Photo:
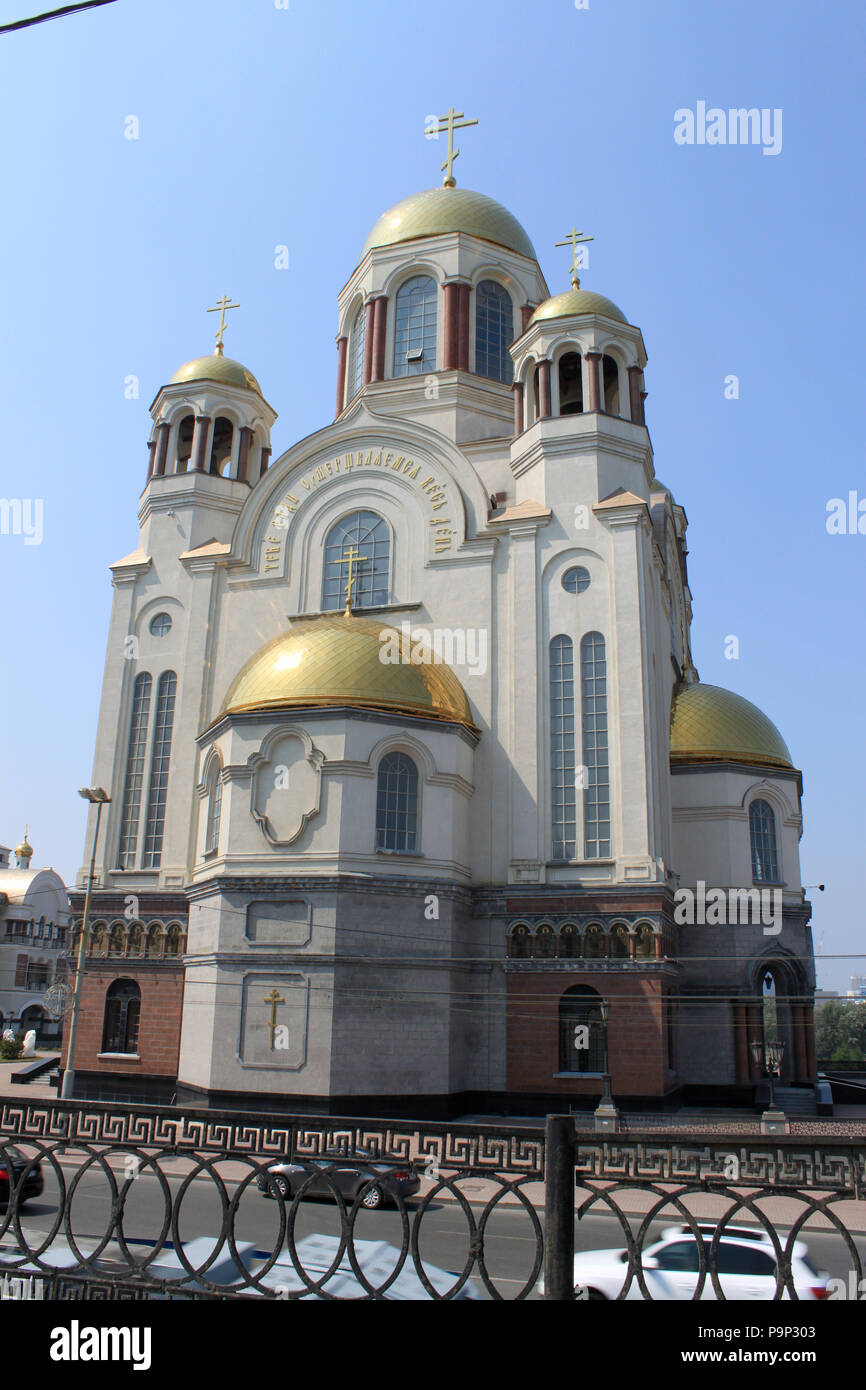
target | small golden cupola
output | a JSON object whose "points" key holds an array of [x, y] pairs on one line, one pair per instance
{"points": [[211, 419], [24, 851], [579, 355]]}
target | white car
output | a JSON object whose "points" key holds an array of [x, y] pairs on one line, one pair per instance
{"points": [[746, 1264]]}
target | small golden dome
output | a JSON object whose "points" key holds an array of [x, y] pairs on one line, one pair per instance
{"points": [[439, 210], [217, 368], [709, 724], [563, 306], [24, 850], [335, 660]]}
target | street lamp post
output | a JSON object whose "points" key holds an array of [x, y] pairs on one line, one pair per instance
{"points": [[768, 1057], [98, 797], [606, 1113]]}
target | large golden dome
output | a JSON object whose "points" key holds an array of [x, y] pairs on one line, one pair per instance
{"points": [[562, 306], [217, 368], [444, 209], [709, 724], [335, 660]]}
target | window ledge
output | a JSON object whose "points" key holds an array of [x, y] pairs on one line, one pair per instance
{"points": [[578, 1075], [400, 853], [118, 1057]]}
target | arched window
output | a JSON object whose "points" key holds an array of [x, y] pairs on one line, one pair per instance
{"points": [[159, 765], [116, 940], [645, 945], [593, 943], [536, 393], [619, 944], [122, 1014], [173, 940], [99, 940], [397, 804], [581, 1030], [610, 384], [415, 327], [519, 945], [562, 747], [568, 942], [494, 331], [134, 784], [596, 795], [367, 535], [355, 369], [135, 940], [214, 807], [221, 449], [570, 384], [545, 942], [155, 941], [762, 831], [185, 432]]}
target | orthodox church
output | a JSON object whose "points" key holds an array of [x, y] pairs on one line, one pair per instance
{"points": [[407, 756]]}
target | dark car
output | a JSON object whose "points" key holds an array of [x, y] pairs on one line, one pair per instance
{"points": [[377, 1180], [33, 1183]]}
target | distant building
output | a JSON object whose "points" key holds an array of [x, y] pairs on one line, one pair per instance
{"points": [[34, 918]]}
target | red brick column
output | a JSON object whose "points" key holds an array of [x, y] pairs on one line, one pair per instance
{"points": [[544, 388], [266, 458], [369, 310], [380, 307], [342, 346], [634, 395], [741, 1042], [246, 440], [517, 389], [526, 312], [200, 437], [151, 455], [754, 1033], [463, 327], [162, 433], [452, 313], [593, 360]]}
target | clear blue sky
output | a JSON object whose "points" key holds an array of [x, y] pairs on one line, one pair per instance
{"points": [[261, 126]]}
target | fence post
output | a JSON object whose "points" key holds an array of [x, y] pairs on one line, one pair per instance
{"points": [[559, 1208]]}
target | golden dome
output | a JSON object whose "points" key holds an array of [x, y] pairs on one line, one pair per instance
{"points": [[335, 660], [709, 724], [217, 368], [24, 850], [438, 210], [562, 306]]}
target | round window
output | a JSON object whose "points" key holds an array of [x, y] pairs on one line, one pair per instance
{"points": [[576, 580], [160, 624]]}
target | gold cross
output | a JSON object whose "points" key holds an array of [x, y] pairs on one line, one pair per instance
{"points": [[274, 998], [575, 239], [451, 122], [220, 308], [350, 557]]}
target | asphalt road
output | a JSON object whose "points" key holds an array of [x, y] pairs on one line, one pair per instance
{"points": [[509, 1242]]}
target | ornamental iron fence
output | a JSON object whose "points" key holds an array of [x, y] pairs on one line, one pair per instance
{"points": [[139, 1202]]}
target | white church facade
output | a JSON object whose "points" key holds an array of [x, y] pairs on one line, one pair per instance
{"points": [[407, 753]]}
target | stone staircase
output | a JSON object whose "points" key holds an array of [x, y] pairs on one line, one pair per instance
{"points": [[796, 1100]]}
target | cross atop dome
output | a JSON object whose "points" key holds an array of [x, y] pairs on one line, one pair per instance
{"points": [[220, 308], [575, 239], [451, 121]]}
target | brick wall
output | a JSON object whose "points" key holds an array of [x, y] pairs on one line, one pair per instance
{"points": [[636, 1035], [161, 986]]}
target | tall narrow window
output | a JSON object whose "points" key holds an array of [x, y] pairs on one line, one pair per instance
{"points": [[415, 327], [221, 449], [214, 808], [596, 795], [185, 431], [159, 765], [494, 331], [610, 385], [581, 1030], [562, 748], [367, 535], [355, 373], [570, 384], [121, 1018], [762, 830], [133, 785], [397, 804]]}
